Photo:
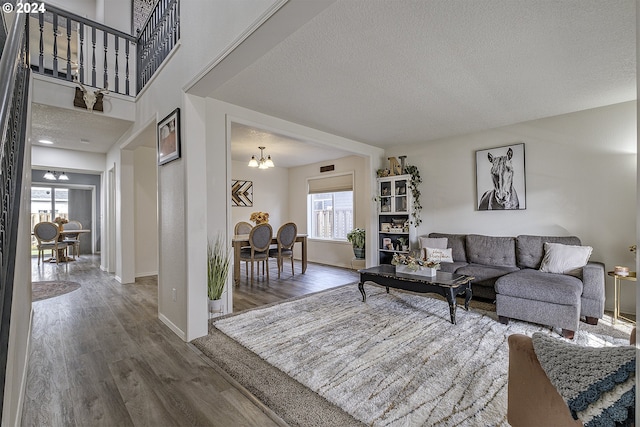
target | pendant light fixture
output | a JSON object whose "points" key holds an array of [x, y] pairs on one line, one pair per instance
{"points": [[262, 163], [53, 176]]}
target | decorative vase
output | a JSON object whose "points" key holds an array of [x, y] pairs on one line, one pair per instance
{"points": [[358, 252], [216, 305]]}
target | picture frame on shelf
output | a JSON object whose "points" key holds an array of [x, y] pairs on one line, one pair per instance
{"points": [[169, 138], [387, 244]]}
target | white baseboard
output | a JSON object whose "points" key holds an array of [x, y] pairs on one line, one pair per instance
{"points": [[151, 273], [176, 330], [23, 381]]}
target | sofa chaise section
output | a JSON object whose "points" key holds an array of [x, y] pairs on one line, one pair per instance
{"points": [[507, 270]]}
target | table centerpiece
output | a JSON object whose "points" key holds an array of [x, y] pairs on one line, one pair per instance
{"points": [[414, 265]]}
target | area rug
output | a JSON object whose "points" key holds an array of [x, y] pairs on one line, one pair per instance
{"points": [[395, 360], [53, 288]]}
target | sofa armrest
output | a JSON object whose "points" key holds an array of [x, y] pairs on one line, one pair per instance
{"points": [[532, 399], [593, 281]]}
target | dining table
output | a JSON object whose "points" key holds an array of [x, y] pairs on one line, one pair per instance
{"points": [[61, 252], [242, 240]]}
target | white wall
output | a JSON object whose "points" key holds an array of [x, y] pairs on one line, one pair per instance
{"points": [[580, 180], [270, 193], [212, 28], [146, 211], [58, 159], [330, 252], [60, 93], [116, 14], [84, 8]]}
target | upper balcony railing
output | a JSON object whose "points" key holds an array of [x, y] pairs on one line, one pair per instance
{"points": [[69, 47], [159, 35]]}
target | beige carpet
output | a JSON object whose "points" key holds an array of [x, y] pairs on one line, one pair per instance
{"points": [[394, 360]]}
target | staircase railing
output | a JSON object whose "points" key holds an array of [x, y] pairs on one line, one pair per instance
{"points": [[159, 35], [14, 94], [65, 46], [68, 46]]}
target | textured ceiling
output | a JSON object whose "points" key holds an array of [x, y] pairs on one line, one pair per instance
{"points": [[389, 72], [75, 129], [402, 72], [286, 152]]}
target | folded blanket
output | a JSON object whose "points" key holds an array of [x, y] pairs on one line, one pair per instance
{"points": [[597, 383]]}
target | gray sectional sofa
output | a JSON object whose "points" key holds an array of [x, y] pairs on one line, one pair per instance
{"points": [[506, 269]]}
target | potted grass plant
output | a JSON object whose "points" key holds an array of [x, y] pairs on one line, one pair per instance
{"points": [[218, 261]]}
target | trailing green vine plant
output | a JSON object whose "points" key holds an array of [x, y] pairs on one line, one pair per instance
{"points": [[414, 184]]}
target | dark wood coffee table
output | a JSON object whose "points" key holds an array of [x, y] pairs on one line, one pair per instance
{"points": [[449, 285]]}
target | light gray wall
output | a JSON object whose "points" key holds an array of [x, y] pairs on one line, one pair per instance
{"points": [[580, 180]]}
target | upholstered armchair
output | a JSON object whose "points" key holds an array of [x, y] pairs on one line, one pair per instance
{"points": [[532, 399]]}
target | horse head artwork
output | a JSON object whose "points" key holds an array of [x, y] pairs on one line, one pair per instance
{"points": [[503, 195]]}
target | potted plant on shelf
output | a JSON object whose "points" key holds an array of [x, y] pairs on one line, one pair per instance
{"points": [[218, 261], [357, 238], [404, 243]]}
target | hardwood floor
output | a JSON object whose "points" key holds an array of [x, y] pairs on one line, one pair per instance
{"points": [[318, 277], [100, 356]]}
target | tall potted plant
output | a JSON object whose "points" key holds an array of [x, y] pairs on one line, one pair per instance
{"points": [[218, 261], [357, 238]]}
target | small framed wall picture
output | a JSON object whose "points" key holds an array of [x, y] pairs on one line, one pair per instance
{"points": [[169, 138]]}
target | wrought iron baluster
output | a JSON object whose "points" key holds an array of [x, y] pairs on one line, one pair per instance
{"points": [[93, 56], [55, 45], [68, 49], [106, 43], [117, 48], [41, 56], [126, 72], [81, 55]]}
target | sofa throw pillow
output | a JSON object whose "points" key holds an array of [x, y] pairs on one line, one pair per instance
{"points": [[434, 242], [564, 259], [437, 254]]}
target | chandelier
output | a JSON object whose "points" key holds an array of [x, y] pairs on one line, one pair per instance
{"points": [[262, 163], [53, 176]]}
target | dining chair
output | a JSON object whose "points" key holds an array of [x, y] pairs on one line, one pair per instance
{"points": [[73, 240], [259, 242], [285, 238], [242, 227], [47, 234]]}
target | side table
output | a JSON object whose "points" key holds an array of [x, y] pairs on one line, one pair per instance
{"points": [[616, 293]]}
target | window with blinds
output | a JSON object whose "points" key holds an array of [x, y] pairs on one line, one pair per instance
{"points": [[330, 201]]}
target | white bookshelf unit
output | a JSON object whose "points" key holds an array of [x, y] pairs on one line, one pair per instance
{"points": [[394, 214]]}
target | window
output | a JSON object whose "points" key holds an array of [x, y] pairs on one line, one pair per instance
{"points": [[330, 202]]}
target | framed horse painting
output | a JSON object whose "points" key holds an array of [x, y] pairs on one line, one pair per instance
{"points": [[500, 178]]}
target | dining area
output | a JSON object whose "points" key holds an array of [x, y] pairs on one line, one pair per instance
{"points": [[255, 245], [60, 236]]}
